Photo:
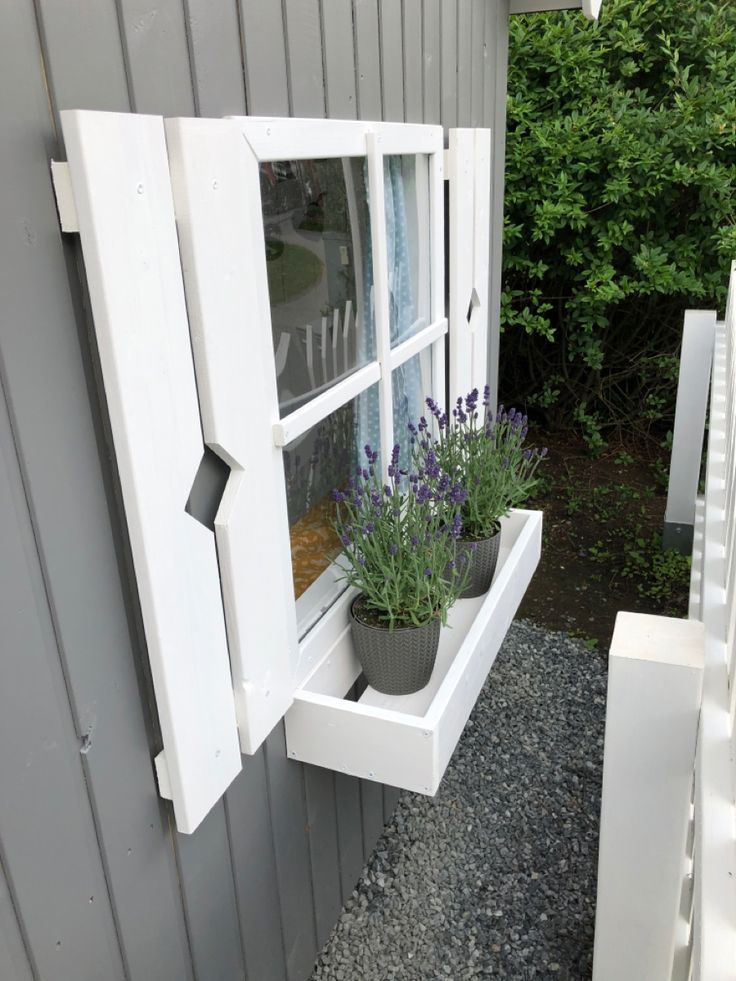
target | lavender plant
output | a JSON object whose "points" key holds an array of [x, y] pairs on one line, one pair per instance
{"points": [[399, 540], [485, 452]]}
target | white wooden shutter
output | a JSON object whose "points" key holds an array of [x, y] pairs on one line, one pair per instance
{"points": [[122, 192]]}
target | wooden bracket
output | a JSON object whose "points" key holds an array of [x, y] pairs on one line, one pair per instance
{"points": [[61, 180]]}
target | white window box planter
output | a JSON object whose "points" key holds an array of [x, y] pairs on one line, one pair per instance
{"points": [[407, 740]]}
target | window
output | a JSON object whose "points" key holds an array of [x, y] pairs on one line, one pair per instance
{"points": [[314, 271], [296, 268]]}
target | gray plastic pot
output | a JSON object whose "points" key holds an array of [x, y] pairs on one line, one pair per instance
{"points": [[482, 559], [398, 661]]}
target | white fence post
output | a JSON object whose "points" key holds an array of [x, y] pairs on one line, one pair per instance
{"points": [[654, 691], [687, 440]]}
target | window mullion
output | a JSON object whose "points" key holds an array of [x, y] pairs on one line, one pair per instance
{"points": [[317, 409], [418, 342], [380, 292]]}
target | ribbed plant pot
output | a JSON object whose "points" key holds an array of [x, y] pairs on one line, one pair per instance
{"points": [[398, 661], [482, 559]]}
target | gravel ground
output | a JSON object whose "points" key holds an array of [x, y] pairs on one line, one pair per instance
{"points": [[495, 876]]}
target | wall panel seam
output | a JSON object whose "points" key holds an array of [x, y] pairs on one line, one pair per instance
{"points": [[228, 831], [266, 768], [183, 897], [356, 61], [287, 58], [241, 43], [321, 7], [5, 872], [186, 13], [126, 55], [303, 782]]}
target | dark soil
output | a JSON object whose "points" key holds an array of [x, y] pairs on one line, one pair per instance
{"points": [[597, 512]]}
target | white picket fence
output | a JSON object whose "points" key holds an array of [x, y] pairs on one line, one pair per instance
{"points": [[666, 904]]}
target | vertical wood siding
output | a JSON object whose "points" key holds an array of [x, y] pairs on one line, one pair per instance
{"points": [[94, 881]]}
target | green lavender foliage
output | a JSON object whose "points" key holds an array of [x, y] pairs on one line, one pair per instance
{"points": [[620, 205], [399, 540], [485, 452]]}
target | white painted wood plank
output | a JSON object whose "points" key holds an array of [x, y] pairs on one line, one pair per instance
{"points": [[696, 359], [715, 845], [120, 180], [470, 202], [217, 193], [655, 672], [480, 321], [461, 154]]}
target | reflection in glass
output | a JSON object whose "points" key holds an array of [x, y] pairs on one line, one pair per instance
{"points": [[314, 464], [410, 384], [317, 234], [406, 182]]}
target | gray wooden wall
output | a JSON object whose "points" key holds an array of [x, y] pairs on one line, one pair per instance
{"points": [[94, 882]]}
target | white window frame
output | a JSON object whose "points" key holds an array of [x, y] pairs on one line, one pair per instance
{"points": [[215, 170]]}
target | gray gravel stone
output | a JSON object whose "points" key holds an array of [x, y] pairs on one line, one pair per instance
{"points": [[495, 876]]}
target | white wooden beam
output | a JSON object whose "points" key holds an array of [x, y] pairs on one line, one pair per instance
{"points": [[655, 672], [64, 196], [696, 359], [470, 200]]}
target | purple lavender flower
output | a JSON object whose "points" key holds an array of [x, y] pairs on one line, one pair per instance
{"points": [[428, 572], [393, 548], [414, 541], [423, 494], [345, 539]]}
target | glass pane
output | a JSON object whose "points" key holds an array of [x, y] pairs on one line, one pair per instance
{"points": [[410, 385], [320, 460], [318, 259], [406, 180]]}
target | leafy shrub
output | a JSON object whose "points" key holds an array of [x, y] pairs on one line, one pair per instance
{"points": [[620, 204]]}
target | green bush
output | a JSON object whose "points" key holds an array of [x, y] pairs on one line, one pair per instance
{"points": [[620, 205]]}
